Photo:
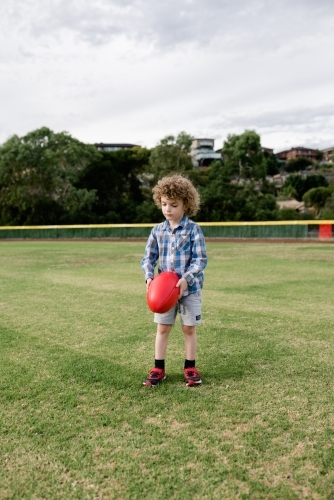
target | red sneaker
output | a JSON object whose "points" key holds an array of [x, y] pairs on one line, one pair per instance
{"points": [[155, 376], [192, 377]]}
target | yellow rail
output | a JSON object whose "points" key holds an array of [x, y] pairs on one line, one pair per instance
{"points": [[253, 223]]}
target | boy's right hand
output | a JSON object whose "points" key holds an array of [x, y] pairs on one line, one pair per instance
{"points": [[148, 282]]}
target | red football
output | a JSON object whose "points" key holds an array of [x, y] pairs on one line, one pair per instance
{"points": [[162, 293]]}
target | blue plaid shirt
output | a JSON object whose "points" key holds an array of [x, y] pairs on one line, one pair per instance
{"points": [[181, 250]]}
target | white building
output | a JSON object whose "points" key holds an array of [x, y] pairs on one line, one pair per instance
{"points": [[328, 154], [202, 152]]}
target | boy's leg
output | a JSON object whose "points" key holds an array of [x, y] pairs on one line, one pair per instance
{"points": [[164, 322], [157, 374], [190, 311], [190, 341], [161, 340], [191, 375]]}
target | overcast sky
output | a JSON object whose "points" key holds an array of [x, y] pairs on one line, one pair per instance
{"points": [[137, 70]]}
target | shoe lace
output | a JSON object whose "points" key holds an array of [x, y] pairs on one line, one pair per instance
{"points": [[155, 373], [191, 372]]}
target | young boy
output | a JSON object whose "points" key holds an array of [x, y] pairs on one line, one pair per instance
{"points": [[178, 243]]}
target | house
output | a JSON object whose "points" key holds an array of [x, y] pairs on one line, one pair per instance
{"points": [[202, 152], [114, 146], [298, 152], [278, 181], [328, 154]]}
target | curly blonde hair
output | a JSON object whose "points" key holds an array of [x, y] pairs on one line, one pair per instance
{"points": [[178, 187]]}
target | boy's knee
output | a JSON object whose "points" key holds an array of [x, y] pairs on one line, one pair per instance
{"points": [[164, 329], [188, 330]]}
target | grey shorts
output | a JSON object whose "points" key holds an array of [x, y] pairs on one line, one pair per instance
{"points": [[189, 309]]}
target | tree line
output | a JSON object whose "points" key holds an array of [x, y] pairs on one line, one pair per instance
{"points": [[52, 178]]}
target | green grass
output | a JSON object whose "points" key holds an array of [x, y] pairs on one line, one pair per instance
{"points": [[77, 340]]}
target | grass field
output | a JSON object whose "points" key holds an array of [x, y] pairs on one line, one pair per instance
{"points": [[77, 340]]}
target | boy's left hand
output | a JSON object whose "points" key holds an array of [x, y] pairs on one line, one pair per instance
{"points": [[183, 285], [148, 282]]}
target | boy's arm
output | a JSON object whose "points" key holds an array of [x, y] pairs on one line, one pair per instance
{"points": [[151, 256], [199, 258]]}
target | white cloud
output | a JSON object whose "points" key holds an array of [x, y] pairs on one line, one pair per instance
{"points": [[136, 71]]}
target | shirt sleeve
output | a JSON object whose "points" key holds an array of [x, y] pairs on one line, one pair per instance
{"points": [[151, 256], [199, 258]]}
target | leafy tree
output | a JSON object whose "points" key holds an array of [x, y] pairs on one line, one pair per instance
{"points": [[272, 163], [171, 155], [226, 201], [148, 211], [289, 214], [267, 187], [301, 185], [297, 164], [320, 155], [288, 192], [215, 195], [37, 177], [316, 180], [243, 156], [317, 198], [328, 212], [116, 178]]}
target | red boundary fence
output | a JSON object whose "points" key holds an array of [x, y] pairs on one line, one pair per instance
{"points": [[325, 231]]}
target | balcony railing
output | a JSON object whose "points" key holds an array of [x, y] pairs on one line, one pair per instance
{"points": [[208, 154]]}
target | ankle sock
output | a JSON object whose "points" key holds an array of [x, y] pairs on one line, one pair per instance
{"points": [[159, 363], [189, 363]]}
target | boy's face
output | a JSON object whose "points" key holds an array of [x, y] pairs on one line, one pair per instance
{"points": [[173, 210]]}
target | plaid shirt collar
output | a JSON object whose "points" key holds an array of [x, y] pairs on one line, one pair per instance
{"points": [[183, 223]]}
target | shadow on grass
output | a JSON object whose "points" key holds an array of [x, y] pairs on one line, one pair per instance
{"points": [[27, 372], [233, 368], [219, 367], [43, 366], [92, 370]]}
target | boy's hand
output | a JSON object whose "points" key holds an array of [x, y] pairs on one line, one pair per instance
{"points": [[148, 282], [183, 285]]}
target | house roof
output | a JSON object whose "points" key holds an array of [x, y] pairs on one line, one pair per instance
{"points": [[294, 204], [296, 148]]}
